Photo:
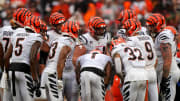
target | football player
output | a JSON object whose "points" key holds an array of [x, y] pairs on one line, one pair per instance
{"points": [[145, 42], [22, 69], [61, 48], [93, 70], [97, 38], [165, 45], [130, 66], [6, 32], [56, 21]]}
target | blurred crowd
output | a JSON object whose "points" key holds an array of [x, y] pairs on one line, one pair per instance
{"points": [[83, 10]]}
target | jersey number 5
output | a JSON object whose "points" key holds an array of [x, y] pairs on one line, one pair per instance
{"points": [[19, 45]]}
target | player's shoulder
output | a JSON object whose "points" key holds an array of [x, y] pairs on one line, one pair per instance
{"points": [[165, 35], [34, 37], [105, 56], [19, 30], [84, 56], [6, 29], [52, 33], [65, 39], [118, 48], [144, 37], [84, 38]]}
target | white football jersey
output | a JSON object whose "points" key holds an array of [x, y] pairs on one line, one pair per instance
{"points": [[22, 42], [98, 61], [56, 47], [90, 43], [52, 35], [166, 36], [132, 60], [5, 35], [146, 43]]}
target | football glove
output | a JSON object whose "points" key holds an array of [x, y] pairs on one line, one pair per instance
{"points": [[60, 84]]}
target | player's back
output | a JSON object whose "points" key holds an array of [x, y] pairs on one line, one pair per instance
{"points": [[52, 35], [146, 43], [132, 60], [5, 35], [94, 60], [22, 42], [55, 50]]}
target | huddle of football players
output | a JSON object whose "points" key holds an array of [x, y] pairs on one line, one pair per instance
{"points": [[63, 63]]}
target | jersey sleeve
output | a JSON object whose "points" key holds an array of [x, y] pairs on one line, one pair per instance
{"points": [[50, 39], [114, 51], [83, 39], [108, 36], [37, 37], [69, 42], [165, 38], [121, 32]]}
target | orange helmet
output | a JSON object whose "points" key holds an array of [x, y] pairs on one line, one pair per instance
{"points": [[19, 16], [172, 29], [56, 18], [33, 23], [125, 15], [72, 28], [117, 41], [131, 26], [96, 23], [157, 21]]}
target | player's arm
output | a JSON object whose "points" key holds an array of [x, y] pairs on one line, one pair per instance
{"points": [[62, 59], [44, 51], [118, 65], [7, 56], [77, 70], [108, 74], [1, 56], [78, 51], [33, 59], [165, 49]]}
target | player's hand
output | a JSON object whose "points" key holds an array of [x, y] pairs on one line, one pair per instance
{"points": [[164, 86], [38, 92], [60, 84], [36, 88]]}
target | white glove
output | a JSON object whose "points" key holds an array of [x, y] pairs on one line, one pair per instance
{"points": [[60, 84], [4, 80]]}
